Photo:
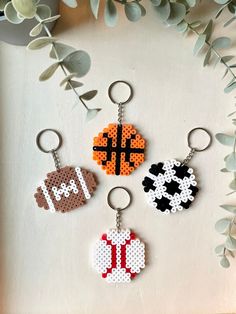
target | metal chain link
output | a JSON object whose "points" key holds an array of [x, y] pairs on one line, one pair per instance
{"points": [[56, 159], [189, 156], [120, 113], [118, 219]]}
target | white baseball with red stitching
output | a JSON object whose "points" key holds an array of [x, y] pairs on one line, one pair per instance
{"points": [[119, 256]]}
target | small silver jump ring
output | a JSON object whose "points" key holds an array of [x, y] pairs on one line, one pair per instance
{"points": [[189, 139], [118, 208], [38, 143], [119, 102]]}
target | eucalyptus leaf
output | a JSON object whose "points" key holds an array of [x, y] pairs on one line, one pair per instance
{"points": [[51, 19], [207, 57], [164, 9], [70, 3], [230, 162], [89, 95], [191, 3], [27, 8], [232, 66], [224, 170], [224, 262], [219, 250], [68, 78], [110, 14], [218, 13], [11, 14], [230, 21], [91, 113], [41, 42], [225, 139], [221, 42], [43, 11], [143, 10], [230, 243], [222, 225], [2, 4], [36, 30], [229, 208], [226, 59], [156, 2], [49, 72], [221, 1], [74, 84], [61, 51], [182, 27], [195, 24], [94, 4], [232, 185], [177, 13], [208, 30], [199, 43], [230, 87], [133, 11], [77, 62]]}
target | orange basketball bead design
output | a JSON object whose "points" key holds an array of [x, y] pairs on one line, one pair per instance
{"points": [[119, 149]]}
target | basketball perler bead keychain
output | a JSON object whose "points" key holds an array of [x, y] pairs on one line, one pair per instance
{"points": [[170, 185], [119, 148], [119, 255], [66, 188]]}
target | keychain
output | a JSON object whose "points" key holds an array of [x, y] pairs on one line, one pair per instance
{"points": [[119, 255], [119, 148], [170, 185], [66, 188]]}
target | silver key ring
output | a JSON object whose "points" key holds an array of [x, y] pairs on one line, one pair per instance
{"points": [[190, 133], [119, 102], [38, 142], [109, 196]]}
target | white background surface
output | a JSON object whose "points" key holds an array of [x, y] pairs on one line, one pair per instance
{"points": [[45, 264]]}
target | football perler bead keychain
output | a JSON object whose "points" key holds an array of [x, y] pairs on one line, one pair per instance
{"points": [[171, 185], [119, 148], [66, 188], [119, 255]]}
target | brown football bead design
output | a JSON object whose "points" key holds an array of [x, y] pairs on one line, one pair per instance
{"points": [[119, 149], [65, 189]]}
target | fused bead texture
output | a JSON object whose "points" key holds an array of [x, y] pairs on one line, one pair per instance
{"points": [[119, 256], [170, 186], [119, 149], [65, 189]]}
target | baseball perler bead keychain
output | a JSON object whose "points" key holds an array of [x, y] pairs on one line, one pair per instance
{"points": [[171, 185], [119, 148], [119, 255], [66, 188]]}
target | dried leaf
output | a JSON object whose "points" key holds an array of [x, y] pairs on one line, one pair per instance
{"points": [[49, 72], [41, 42]]}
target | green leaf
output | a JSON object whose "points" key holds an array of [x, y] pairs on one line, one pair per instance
{"points": [[143, 10], [51, 19], [89, 95], [222, 225], [156, 2], [49, 72], [230, 162], [230, 243], [208, 30], [224, 170], [62, 51], [68, 78], [196, 24], [207, 57], [226, 59], [199, 43], [94, 4], [74, 84], [221, 1], [43, 11], [232, 185], [224, 262], [219, 250], [182, 27], [11, 14], [226, 72], [177, 13], [110, 14], [41, 42], [78, 62], [133, 11], [221, 43], [229, 208], [164, 9], [70, 3], [230, 87], [225, 139], [26, 8], [91, 113], [2, 4], [232, 66], [36, 30], [221, 9], [191, 3], [230, 21]]}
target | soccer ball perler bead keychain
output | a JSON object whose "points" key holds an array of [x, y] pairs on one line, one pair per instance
{"points": [[119, 255], [119, 148], [66, 188], [170, 185]]}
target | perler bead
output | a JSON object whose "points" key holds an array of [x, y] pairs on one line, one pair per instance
{"points": [[65, 189], [119, 256], [170, 186], [119, 149]]}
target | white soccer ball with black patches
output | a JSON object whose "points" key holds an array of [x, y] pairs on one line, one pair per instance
{"points": [[170, 186]]}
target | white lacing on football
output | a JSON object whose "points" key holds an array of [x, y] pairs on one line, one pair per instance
{"points": [[47, 197], [82, 183], [65, 190]]}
